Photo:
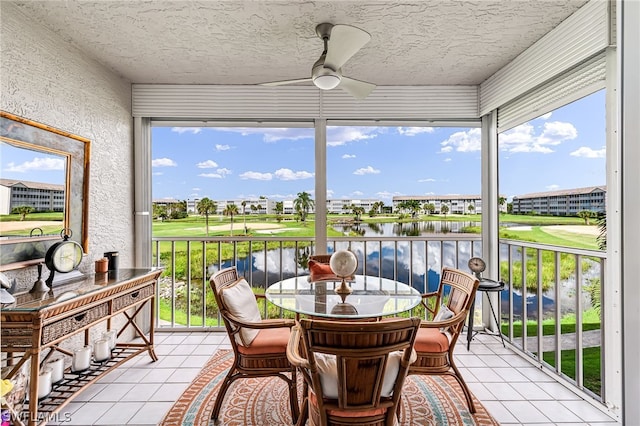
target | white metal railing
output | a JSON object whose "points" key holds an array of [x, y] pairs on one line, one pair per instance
{"points": [[562, 287]]}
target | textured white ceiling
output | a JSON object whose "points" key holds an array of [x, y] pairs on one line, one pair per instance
{"points": [[441, 42]]}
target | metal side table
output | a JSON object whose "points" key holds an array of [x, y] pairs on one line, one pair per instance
{"points": [[486, 285]]}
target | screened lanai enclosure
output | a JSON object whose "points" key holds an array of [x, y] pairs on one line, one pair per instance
{"points": [[492, 72]]}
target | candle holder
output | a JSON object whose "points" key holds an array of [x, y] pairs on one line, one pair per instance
{"points": [[57, 369], [44, 383], [101, 351], [81, 359], [112, 337]]}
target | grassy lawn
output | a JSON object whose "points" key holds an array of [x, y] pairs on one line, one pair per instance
{"points": [[590, 366]]}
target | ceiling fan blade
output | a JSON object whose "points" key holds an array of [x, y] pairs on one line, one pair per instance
{"points": [[356, 88], [285, 82], [344, 42]]}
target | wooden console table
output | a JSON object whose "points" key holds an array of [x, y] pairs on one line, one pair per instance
{"points": [[37, 323]]}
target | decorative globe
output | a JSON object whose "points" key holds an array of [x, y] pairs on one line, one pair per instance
{"points": [[343, 263]]}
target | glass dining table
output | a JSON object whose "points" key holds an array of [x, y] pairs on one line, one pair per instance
{"points": [[369, 297]]}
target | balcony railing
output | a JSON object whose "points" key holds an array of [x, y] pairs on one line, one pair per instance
{"points": [[551, 311]]}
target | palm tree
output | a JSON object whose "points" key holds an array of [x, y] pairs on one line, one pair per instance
{"points": [[23, 211], [205, 207], [471, 208], [244, 215], [444, 209], [279, 209], [429, 208], [413, 206], [303, 204], [501, 201], [230, 211], [586, 215]]}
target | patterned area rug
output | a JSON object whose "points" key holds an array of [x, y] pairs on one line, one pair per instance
{"points": [[264, 401]]}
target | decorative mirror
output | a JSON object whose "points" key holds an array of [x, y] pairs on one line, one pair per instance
{"points": [[27, 149]]}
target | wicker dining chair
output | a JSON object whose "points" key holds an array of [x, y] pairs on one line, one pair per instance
{"points": [[353, 372], [436, 340], [259, 345]]}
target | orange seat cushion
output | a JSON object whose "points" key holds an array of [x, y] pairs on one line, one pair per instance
{"points": [[431, 340], [268, 341], [313, 399]]}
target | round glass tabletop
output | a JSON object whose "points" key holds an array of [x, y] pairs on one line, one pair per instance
{"points": [[370, 297]]}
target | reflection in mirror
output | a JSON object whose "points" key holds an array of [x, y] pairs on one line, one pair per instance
{"points": [[43, 189], [32, 192]]}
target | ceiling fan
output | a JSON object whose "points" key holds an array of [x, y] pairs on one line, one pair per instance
{"points": [[341, 42]]}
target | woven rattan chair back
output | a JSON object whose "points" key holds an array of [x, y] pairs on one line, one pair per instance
{"points": [[436, 340], [252, 362], [360, 351]]}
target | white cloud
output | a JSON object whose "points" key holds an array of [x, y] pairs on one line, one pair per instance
{"points": [[196, 189], [256, 176], [346, 156], [523, 138], [586, 152], [219, 174], [545, 116], [337, 136], [555, 132], [447, 160], [38, 163], [357, 193], [180, 130], [412, 131], [465, 141], [272, 134], [427, 180], [222, 147], [288, 174], [157, 173], [209, 164], [552, 187], [366, 171], [163, 162]]}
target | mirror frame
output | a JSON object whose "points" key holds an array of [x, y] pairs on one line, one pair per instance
{"points": [[24, 133]]}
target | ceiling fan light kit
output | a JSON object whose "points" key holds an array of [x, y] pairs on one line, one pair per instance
{"points": [[326, 81], [341, 42]]}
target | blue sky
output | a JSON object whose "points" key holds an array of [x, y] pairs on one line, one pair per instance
{"points": [[561, 150], [564, 149]]}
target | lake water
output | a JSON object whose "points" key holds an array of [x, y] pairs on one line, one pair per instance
{"points": [[409, 229]]}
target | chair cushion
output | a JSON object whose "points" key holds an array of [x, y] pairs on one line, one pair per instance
{"points": [[313, 400], [268, 341], [241, 302], [431, 340], [444, 313], [329, 374]]}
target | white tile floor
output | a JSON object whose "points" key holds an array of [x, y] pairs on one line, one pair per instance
{"points": [[140, 391]]}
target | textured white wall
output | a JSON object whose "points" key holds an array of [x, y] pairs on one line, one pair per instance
{"points": [[44, 79]]}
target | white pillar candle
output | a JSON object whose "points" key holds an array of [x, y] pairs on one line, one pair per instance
{"points": [[101, 350], [44, 383], [81, 359], [111, 337], [57, 369]]}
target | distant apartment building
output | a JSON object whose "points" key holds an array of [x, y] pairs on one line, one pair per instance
{"points": [[343, 205], [562, 203], [43, 197], [457, 204]]}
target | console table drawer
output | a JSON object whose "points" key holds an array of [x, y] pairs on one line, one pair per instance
{"points": [[134, 297], [68, 325]]}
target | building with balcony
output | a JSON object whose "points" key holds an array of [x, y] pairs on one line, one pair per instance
{"points": [[111, 73], [42, 197], [562, 203]]}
